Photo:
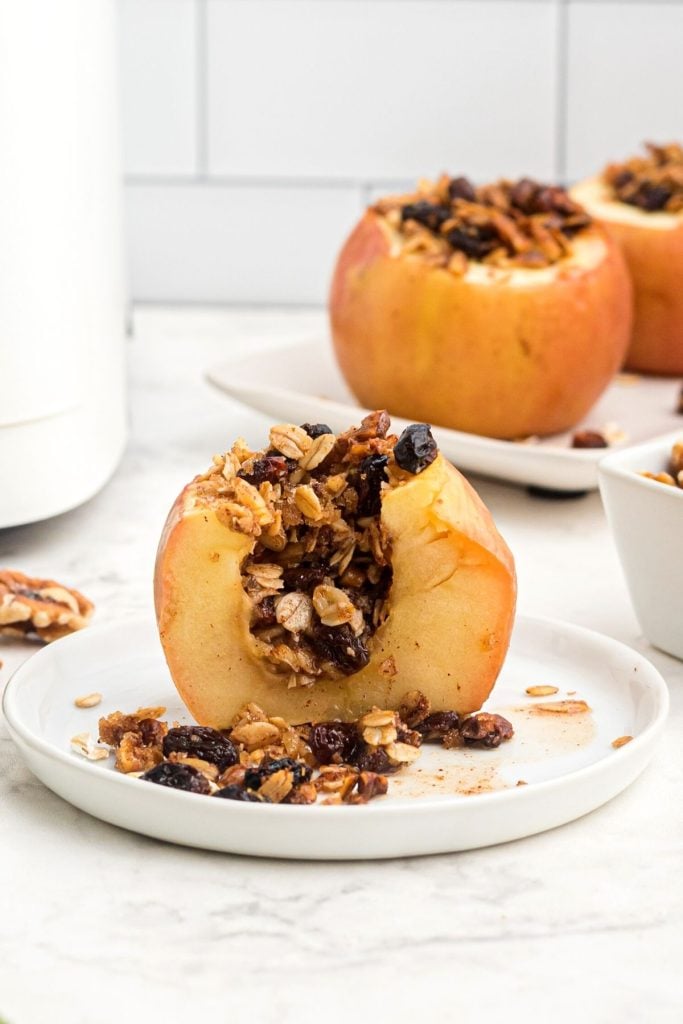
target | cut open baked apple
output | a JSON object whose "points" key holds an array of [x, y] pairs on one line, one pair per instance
{"points": [[640, 202], [329, 574], [500, 310]]}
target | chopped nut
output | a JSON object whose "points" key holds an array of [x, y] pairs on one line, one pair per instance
{"points": [[370, 785], [414, 708], [541, 691], [277, 786], [621, 741], [40, 608], [90, 700]]}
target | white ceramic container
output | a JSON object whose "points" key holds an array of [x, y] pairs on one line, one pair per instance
{"points": [[646, 518], [62, 298]]}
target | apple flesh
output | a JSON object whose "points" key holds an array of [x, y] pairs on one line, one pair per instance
{"points": [[451, 609], [500, 352], [652, 244]]}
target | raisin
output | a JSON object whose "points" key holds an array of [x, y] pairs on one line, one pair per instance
{"points": [[316, 429], [178, 776], [522, 194], [202, 742], [431, 215], [435, 726], [653, 197], [415, 448], [263, 613], [622, 178], [485, 730], [237, 793], [368, 481], [304, 577], [338, 644], [255, 776], [461, 188], [271, 468], [375, 759], [332, 742], [476, 242], [588, 439]]}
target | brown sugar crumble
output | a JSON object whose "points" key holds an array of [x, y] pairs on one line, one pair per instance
{"points": [[504, 224], [319, 574], [653, 182], [40, 609], [262, 759]]}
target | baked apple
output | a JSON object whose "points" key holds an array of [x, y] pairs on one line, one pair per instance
{"points": [[500, 310], [640, 202], [329, 574]]}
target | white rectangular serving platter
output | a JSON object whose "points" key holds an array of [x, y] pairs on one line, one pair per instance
{"points": [[302, 382]]}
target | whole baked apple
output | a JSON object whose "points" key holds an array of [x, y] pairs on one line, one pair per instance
{"points": [[500, 310], [640, 202], [329, 574]]}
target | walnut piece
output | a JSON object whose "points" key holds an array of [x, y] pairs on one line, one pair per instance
{"points": [[41, 609]]}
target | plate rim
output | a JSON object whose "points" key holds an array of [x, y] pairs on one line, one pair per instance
{"points": [[420, 805]]}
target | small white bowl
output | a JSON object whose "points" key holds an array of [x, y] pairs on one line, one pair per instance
{"points": [[646, 518]]}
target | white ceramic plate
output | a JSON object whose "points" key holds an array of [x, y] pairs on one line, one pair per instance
{"points": [[446, 801], [301, 382]]}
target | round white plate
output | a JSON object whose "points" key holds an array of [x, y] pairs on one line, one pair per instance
{"points": [[446, 801]]}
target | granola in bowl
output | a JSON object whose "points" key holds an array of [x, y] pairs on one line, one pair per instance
{"points": [[673, 475]]}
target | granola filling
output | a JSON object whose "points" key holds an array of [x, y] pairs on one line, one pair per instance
{"points": [[319, 572], [653, 182], [505, 224]]}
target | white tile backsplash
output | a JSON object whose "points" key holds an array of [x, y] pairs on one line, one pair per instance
{"points": [[215, 243], [253, 128], [625, 80], [341, 89], [158, 49]]}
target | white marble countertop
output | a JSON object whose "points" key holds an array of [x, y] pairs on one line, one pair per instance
{"points": [[581, 922]]}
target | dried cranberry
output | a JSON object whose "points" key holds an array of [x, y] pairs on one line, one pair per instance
{"points": [[651, 197], [485, 730], [338, 644], [237, 793], [461, 188], [622, 178], [431, 215], [435, 726], [256, 775], [271, 468], [316, 429], [522, 194], [332, 742], [415, 448], [178, 776], [368, 481], [201, 742], [304, 577], [589, 439]]}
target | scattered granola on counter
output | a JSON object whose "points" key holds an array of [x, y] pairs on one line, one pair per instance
{"points": [[674, 476], [266, 760], [541, 691], [504, 224], [653, 182], [88, 700], [40, 609]]}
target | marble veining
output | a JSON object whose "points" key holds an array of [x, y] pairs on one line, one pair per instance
{"points": [[97, 923]]}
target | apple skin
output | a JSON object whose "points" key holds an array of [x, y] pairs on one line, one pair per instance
{"points": [[652, 244], [503, 353], [452, 607]]}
